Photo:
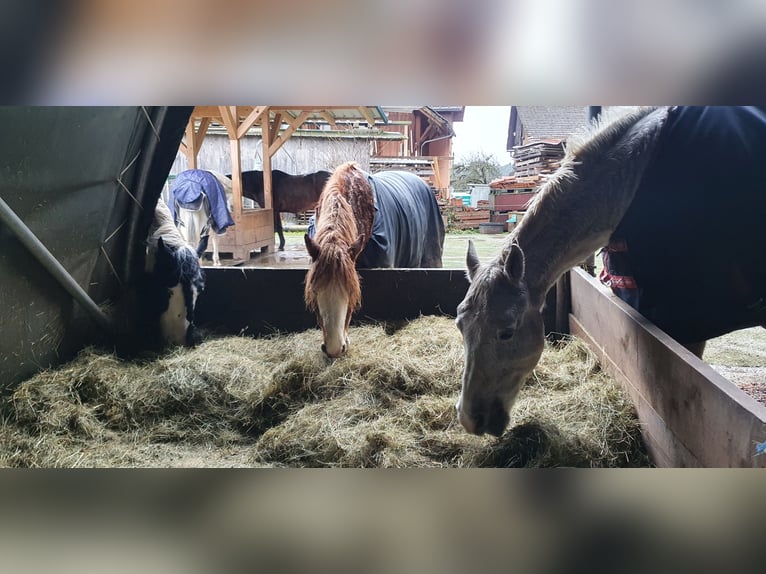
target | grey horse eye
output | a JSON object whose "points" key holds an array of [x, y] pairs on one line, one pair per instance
{"points": [[505, 334]]}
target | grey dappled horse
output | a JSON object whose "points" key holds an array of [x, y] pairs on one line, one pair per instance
{"points": [[682, 187]]}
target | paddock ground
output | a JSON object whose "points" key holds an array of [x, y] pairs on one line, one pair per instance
{"points": [[455, 247]]}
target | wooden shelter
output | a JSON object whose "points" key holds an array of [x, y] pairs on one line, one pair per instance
{"points": [[254, 228]]}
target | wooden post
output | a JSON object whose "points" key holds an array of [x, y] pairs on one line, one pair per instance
{"points": [[563, 304], [266, 141], [236, 181], [190, 150]]}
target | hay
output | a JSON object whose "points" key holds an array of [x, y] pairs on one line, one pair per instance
{"points": [[276, 401]]}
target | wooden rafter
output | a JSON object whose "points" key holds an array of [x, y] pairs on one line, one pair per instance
{"points": [[199, 136], [252, 118], [275, 125], [367, 115], [329, 118], [285, 135], [229, 118]]}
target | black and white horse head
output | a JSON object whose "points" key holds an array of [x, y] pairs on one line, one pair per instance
{"points": [[172, 283]]}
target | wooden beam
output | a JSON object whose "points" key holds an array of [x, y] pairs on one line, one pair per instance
{"points": [[330, 118], [252, 118], [424, 136], [367, 115], [690, 414], [199, 137], [190, 151], [206, 112], [229, 118], [285, 135], [437, 174], [266, 142], [236, 180], [275, 125]]}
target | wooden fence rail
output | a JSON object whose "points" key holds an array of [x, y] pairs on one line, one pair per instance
{"points": [[691, 415]]}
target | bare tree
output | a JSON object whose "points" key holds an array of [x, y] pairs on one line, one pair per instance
{"points": [[476, 168]]}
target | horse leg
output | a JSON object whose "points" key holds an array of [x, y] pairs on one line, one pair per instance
{"points": [[696, 348], [214, 237], [278, 229]]}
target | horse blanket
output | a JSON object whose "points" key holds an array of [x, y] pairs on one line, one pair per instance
{"points": [[408, 230], [690, 253], [187, 191]]}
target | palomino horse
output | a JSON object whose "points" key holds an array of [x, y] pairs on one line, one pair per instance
{"points": [[290, 193], [171, 284], [200, 203], [681, 189], [390, 219]]}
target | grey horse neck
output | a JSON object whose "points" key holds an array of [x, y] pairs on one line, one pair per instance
{"points": [[577, 210]]}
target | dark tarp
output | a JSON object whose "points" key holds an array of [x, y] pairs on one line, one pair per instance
{"points": [[695, 233], [85, 181], [408, 230]]}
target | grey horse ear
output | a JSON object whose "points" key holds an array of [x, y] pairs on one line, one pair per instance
{"points": [[472, 260], [311, 247], [514, 263]]}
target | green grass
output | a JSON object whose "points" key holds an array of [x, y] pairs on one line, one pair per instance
{"points": [[745, 348]]}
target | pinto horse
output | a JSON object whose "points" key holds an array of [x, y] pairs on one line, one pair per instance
{"points": [[681, 190], [172, 281], [390, 219], [290, 193], [200, 204]]}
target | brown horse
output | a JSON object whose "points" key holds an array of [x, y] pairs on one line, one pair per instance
{"points": [[389, 219], [343, 224], [289, 193]]}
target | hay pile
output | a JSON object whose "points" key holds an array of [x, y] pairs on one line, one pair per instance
{"points": [[277, 401]]}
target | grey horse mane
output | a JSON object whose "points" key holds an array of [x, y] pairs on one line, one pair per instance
{"points": [[595, 140]]}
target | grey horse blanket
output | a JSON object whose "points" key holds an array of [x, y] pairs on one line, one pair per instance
{"points": [[408, 230]]}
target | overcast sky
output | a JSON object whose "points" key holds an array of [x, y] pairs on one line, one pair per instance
{"points": [[483, 129]]}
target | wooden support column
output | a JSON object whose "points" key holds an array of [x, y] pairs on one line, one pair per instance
{"points": [[230, 119], [266, 141], [189, 149], [236, 181]]}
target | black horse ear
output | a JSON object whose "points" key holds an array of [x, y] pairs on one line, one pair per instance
{"points": [[202, 247], [162, 248], [311, 247], [472, 260], [514, 263]]}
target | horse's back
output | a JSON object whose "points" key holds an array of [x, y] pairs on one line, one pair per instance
{"points": [[694, 231], [408, 230], [189, 187]]}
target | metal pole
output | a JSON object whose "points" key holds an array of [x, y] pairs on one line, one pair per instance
{"points": [[51, 264]]}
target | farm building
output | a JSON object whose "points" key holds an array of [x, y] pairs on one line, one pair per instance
{"points": [[74, 227], [413, 139], [378, 138]]}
